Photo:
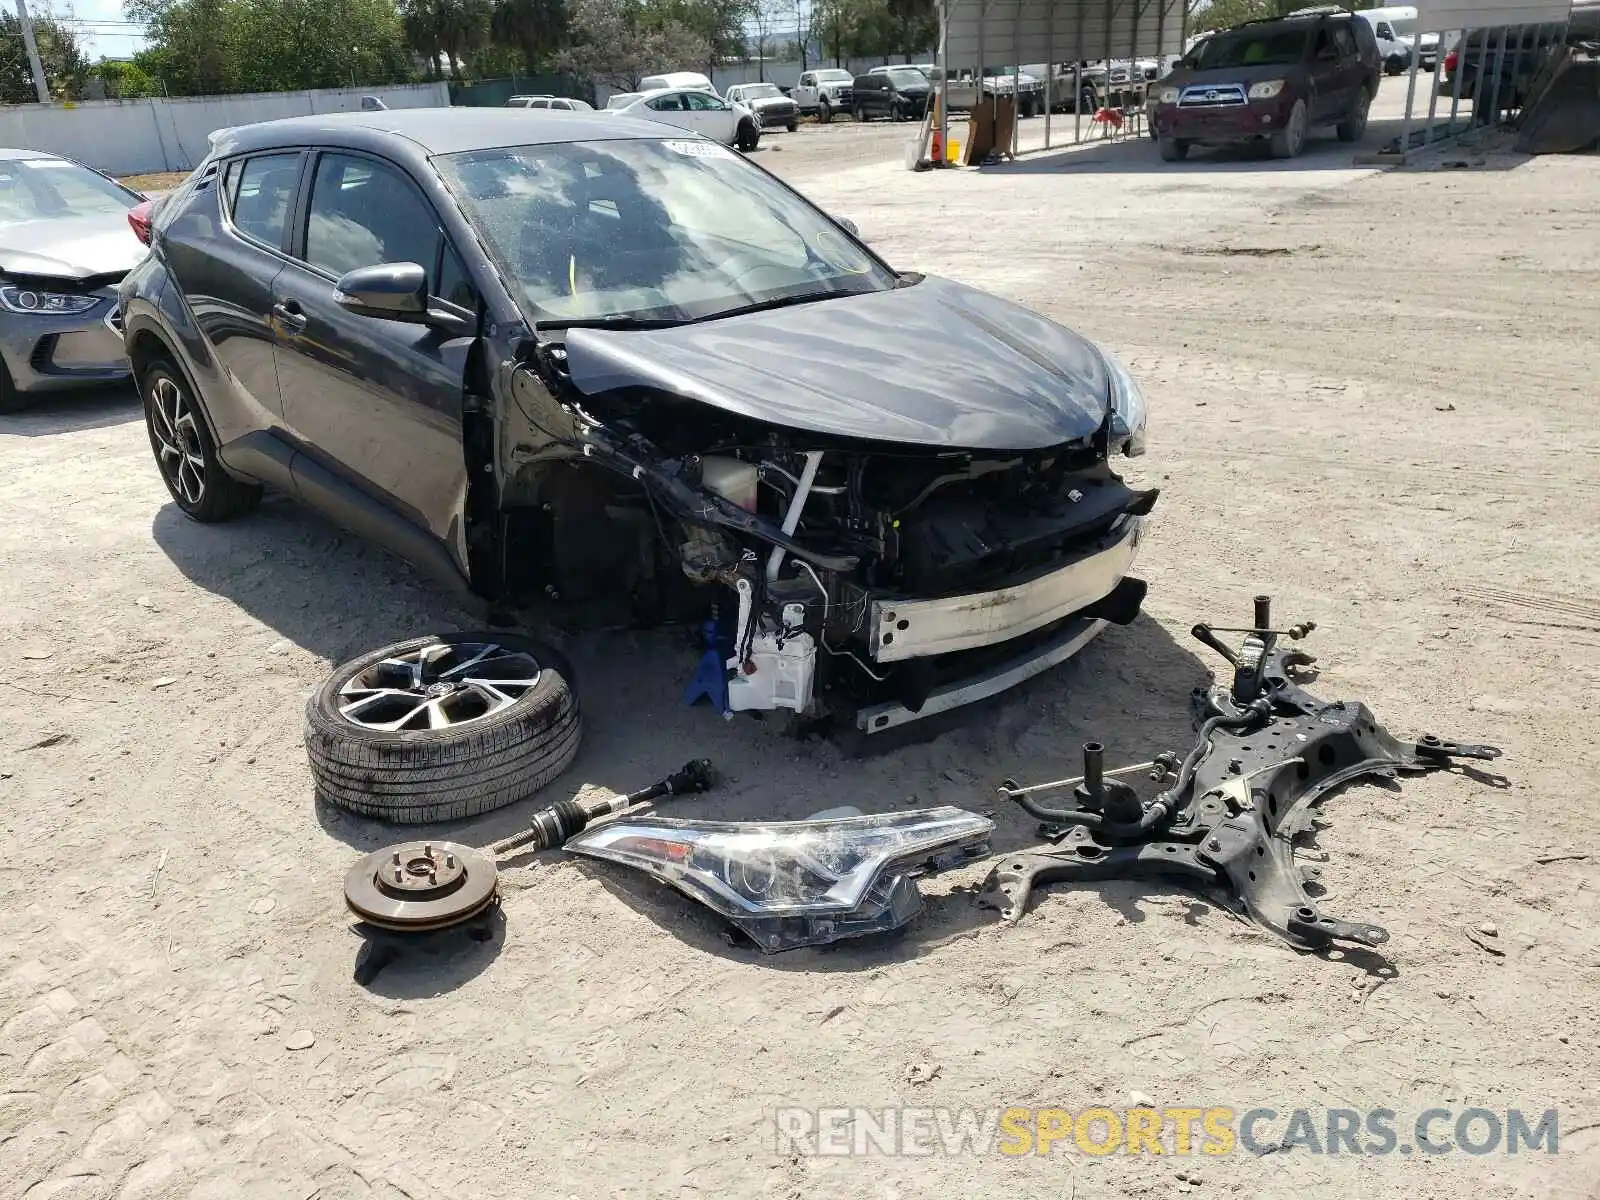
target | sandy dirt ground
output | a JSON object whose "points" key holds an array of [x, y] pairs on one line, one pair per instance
{"points": [[1373, 395]]}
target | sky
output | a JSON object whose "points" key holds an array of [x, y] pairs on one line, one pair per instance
{"points": [[101, 26]]}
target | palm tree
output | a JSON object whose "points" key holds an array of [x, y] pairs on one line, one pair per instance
{"points": [[450, 29], [536, 28]]}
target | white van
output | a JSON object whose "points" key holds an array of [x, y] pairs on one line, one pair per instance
{"points": [[1395, 28], [678, 81]]}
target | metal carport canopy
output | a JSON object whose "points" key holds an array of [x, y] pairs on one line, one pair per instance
{"points": [[1440, 16], [982, 33]]}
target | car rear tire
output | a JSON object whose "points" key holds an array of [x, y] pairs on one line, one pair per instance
{"points": [[748, 137], [793, 126], [1354, 127], [860, 114], [825, 113], [1172, 149], [444, 748], [185, 453], [1289, 141]]}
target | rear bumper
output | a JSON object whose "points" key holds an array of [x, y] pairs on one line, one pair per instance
{"points": [[48, 353]]}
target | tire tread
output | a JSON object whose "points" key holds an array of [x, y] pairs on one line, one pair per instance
{"points": [[425, 776]]}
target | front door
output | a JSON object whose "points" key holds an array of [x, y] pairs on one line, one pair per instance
{"points": [[377, 401], [712, 116], [1326, 71], [671, 109]]}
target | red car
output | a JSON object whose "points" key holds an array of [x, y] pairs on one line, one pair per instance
{"points": [[1272, 80]]}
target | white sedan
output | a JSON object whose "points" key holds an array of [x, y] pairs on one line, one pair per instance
{"points": [[702, 112]]}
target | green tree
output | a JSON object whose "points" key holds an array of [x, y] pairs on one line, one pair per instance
{"points": [[126, 80], [65, 66], [1223, 14], [210, 47], [536, 29], [618, 42], [445, 29]]}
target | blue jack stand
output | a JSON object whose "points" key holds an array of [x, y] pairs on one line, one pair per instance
{"points": [[710, 678]]}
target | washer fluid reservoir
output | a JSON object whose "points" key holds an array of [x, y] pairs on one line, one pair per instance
{"points": [[731, 479]]}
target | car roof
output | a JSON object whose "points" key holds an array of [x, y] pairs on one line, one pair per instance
{"points": [[8, 154], [429, 131]]}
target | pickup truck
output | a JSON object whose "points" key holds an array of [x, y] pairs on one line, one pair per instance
{"points": [[1086, 86], [823, 92], [963, 92]]}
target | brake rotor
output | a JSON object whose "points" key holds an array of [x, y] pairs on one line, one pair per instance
{"points": [[419, 886]]}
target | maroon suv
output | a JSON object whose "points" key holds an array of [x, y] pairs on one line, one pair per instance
{"points": [[1273, 80]]}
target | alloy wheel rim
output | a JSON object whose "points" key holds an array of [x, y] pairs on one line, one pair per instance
{"points": [[178, 447], [442, 685]]}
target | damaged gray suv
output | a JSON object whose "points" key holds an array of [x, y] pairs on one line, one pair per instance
{"points": [[571, 359]]}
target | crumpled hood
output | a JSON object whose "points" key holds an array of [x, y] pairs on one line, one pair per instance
{"points": [[74, 248], [934, 364]]}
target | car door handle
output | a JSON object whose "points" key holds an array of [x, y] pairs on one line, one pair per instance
{"points": [[290, 315]]}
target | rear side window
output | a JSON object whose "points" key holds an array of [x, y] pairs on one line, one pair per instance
{"points": [[259, 192], [1345, 43], [670, 103]]}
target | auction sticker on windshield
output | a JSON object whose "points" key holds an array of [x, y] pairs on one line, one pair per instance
{"points": [[699, 149]]}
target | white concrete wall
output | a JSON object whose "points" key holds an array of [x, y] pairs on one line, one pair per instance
{"points": [[132, 137]]}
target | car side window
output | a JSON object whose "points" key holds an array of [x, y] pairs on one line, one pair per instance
{"points": [[363, 213], [260, 195], [453, 283], [1384, 31], [672, 103], [1345, 44], [701, 102]]}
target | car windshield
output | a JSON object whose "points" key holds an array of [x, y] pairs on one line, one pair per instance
{"points": [[834, 77], [760, 91], [908, 77], [1244, 48], [39, 189], [672, 230]]}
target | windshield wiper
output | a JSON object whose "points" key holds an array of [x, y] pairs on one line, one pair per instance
{"points": [[609, 321], [781, 302]]}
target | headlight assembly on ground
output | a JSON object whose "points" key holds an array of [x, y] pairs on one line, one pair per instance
{"points": [[796, 883]]}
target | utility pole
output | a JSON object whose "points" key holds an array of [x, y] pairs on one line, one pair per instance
{"points": [[39, 83]]}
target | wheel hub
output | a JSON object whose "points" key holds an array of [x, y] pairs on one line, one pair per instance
{"points": [[421, 885]]}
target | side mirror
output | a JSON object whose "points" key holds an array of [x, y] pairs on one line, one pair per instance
{"points": [[398, 291]]}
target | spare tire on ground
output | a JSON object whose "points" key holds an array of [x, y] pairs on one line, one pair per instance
{"points": [[443, 727]]}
